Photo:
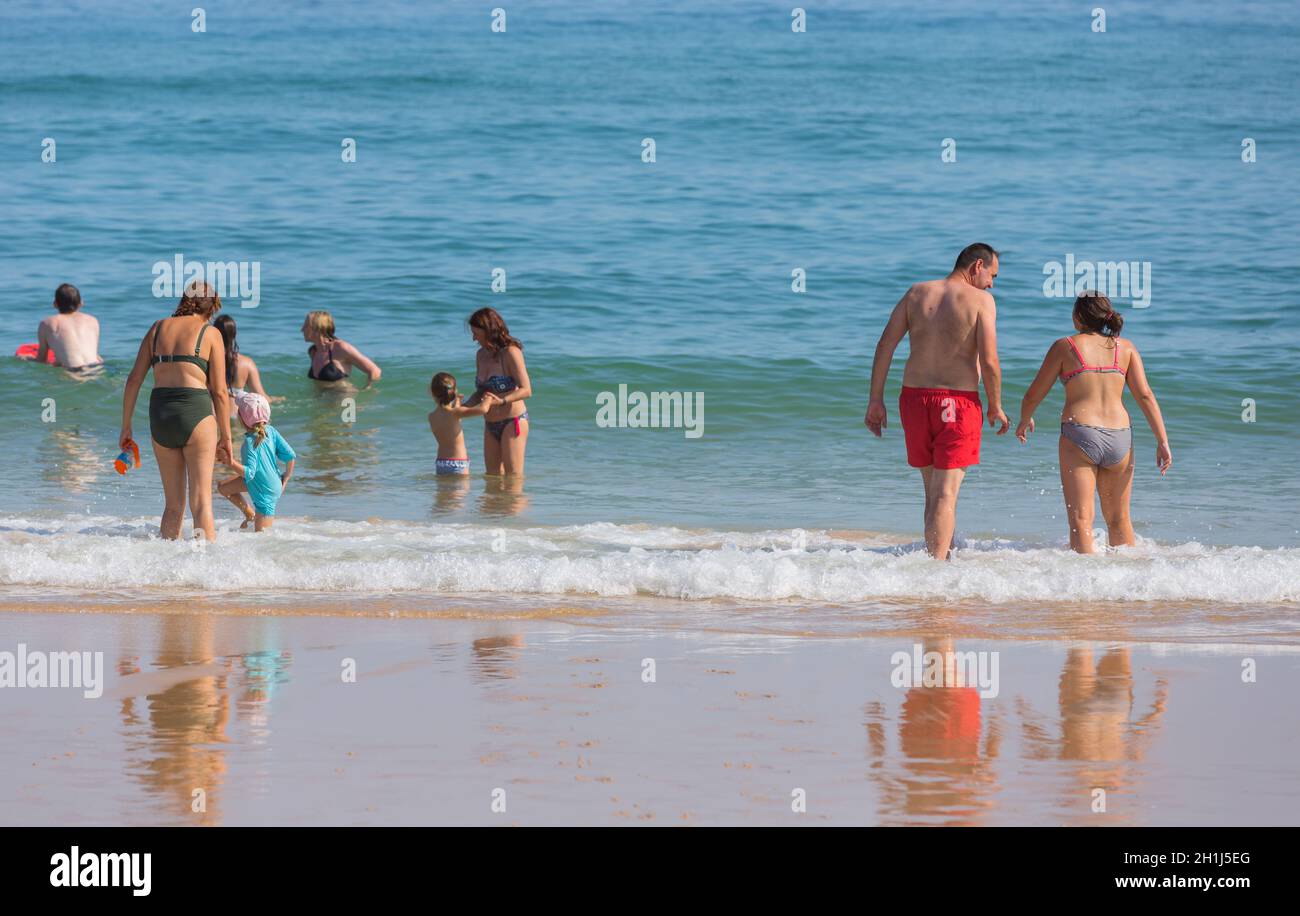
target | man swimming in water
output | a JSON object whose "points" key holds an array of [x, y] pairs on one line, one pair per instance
{"points": [[950, 324], [71, 334]]}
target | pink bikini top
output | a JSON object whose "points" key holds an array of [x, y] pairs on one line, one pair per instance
{"points": [[1084, 367]]}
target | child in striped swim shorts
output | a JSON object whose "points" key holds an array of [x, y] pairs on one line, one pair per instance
{"points": [[444, 423]]}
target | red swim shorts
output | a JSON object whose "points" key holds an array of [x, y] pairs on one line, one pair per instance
{"points": [[941, 426]]}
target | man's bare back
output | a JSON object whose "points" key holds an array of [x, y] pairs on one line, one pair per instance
{"points": [[951, 325], [943, 317], [73, 337]]}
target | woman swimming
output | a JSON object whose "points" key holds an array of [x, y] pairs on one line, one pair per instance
{"points": [[501, 371], [189, 371], [241, 371], [332, 358], [1096, 445]]}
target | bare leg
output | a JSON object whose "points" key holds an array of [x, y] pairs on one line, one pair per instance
{"points": [[926, 473], [492, 463], [512, 448], [941, 509], [1079, 486], [200, 456], [263, 522], [171, 468], [231, 490], [1114, 486]]}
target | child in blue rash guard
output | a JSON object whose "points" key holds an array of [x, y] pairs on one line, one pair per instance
{"points": [[261, 480]]}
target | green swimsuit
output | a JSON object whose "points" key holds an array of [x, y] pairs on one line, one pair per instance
{"points": [[175, 412]]}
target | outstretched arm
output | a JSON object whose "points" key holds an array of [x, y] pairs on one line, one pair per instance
{"points": [[986, 344], [486, 401], [360, 360], [1039, 388], [895, 330], [1146, 399]]}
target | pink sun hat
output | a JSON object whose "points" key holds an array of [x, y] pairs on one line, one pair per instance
{"points": [[253, 408]]}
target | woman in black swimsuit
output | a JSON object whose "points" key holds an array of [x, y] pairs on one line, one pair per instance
{"points": [[189, 372], [331, 358]]}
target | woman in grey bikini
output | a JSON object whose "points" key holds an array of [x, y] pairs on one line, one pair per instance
{"points": [[1096, 446]]}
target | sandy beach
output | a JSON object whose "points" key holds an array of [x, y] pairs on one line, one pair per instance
{"points": [[568, 718]]}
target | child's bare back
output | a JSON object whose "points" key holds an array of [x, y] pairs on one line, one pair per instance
{"points": [[444, 422]]}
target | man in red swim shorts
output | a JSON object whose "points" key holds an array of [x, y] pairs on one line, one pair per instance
{"points": [[950, 324]]}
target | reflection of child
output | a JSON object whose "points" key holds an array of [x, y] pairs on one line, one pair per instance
{"points": [[263, 446], [444, 423]]}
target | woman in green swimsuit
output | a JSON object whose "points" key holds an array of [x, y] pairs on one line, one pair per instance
{"points": [[189, 372]]}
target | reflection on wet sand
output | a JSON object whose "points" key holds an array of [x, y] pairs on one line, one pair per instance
{"points": [[502, 496], [1097, 727], [945, 772], [181, 749], [262, 673], [342, 455], [178, 739], [496, 657]]}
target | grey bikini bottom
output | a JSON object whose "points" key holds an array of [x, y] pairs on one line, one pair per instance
{"points": [[1103, 446]]}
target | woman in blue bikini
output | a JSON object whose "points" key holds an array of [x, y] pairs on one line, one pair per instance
{"points": [[500, 369]]}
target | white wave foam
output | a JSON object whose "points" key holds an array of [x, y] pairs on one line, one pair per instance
{"points": [[606, 560]]}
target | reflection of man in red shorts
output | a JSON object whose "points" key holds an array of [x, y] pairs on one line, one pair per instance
{"points": [[951, 327]]}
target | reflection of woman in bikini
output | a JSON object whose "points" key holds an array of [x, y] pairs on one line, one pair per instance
{"points": [[1096, 446], [241, 371], [331, 358], [500, 369], [189, 371]]}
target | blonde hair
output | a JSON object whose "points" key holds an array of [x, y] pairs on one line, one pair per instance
{"points": [[198, 299], [322, 323], [260, 430]]}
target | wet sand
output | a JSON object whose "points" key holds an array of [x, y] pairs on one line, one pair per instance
{"points": [[556, 716]]}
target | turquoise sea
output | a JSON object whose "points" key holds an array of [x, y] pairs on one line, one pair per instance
{"points": [[774, 151]]}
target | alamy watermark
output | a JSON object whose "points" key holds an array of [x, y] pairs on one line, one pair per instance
{"points": [[82, 670], [945, 669], [652, 410], [1115, 279], [102, 869], [232, 280]]}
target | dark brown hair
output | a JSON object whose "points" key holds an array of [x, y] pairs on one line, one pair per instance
{"points": [[199, 299], [494, 326], [443, 388], [972, 253], [67, 299], [1096, 315], [226, 325]]}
